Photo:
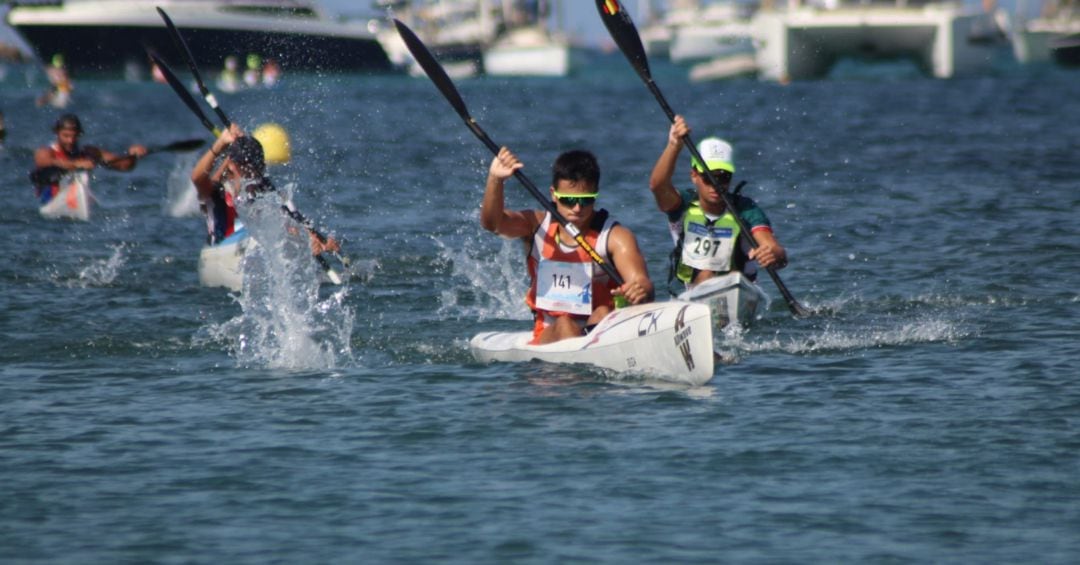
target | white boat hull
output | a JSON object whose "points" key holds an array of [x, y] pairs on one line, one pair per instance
{"points": [[732, 298], [73, 200], [528, 52], [671, 341], [221, 265]]}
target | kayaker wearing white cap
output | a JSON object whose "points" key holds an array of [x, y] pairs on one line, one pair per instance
{"points": [[706, 234]]}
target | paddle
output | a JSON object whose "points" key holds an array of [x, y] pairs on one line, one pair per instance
{"points": [[183, 47], [193, 105], [182, 91], [176, 146], [51, 175], [626, 36], [437, 75]]}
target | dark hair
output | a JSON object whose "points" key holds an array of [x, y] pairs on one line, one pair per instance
{"points": [[576, 165], [68, 121], [248, 152]]}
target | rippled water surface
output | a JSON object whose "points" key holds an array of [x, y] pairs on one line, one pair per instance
{"points": [[931, 413]]}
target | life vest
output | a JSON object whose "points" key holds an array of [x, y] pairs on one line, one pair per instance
{"points": [[220, 214], [707, 245], [558, 271], [46, 192]]}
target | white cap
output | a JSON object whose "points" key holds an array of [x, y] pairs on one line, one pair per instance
{"points": [[717, 154]]}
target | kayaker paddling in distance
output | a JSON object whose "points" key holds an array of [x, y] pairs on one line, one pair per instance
{"points": [[568, 292], [242, 174], [66, 154], [705, 232]]}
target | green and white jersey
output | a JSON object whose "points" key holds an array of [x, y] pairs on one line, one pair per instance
{"points": [[709, 242]]}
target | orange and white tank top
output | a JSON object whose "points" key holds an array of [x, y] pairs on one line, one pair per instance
{"points": [[564, 279]]}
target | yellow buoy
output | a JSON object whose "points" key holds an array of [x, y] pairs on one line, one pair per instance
{"points": [[275, 143]]}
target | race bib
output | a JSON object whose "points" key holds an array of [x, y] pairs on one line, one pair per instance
{"points": [[564, 287], [708, 248]]}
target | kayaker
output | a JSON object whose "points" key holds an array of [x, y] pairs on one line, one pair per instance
{"points": [[568, 292], [242, 174], [706, 235], [65, 154]]}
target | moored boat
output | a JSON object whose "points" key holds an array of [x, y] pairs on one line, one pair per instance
{"points": [[73, 200], [732, 298], [671, 341], [1066, 50], [107, 35]]}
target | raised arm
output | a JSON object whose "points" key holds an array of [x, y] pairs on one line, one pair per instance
{"points": [[666, 195], [493, 214], [201, 174]]}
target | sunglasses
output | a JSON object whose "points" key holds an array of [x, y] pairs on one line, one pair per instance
{"points": [[571, 200]]}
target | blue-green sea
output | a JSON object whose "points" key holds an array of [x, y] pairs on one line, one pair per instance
{"points": [[929, 414]]}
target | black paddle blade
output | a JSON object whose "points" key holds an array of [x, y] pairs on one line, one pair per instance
{"points": [[181, 46], [433, 69], [618, 23], [182, 92], [185, 145]]}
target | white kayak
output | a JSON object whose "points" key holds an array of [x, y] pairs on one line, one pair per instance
{"points": [[733, 298], [221, 264], [671, 341], [73, 200]]}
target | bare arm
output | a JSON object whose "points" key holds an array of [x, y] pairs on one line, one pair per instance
{"points": [[201, 175], [125, 162], [627, 257], [493, 214], [44, 157], [666, 195], [769, 252]]}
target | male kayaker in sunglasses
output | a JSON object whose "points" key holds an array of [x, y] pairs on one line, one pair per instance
{"points": [[241, 175], [707, 242], [66, 154], [568, 292]]}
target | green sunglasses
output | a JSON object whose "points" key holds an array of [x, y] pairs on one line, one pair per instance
{"points": [[571, 200]]}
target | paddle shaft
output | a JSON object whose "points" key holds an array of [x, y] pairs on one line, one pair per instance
{"points": [[442, 81], [185, 96], [186, 52], [185, 145], [622, 30]]}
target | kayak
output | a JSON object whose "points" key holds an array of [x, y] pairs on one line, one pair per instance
{"points": [[733, 299], [221, 264], [671, 341], [73, 200]]}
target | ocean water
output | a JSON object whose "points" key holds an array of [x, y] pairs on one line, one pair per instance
{"points": [[929, 413]]}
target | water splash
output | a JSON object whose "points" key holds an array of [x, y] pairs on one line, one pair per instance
{"points": [[102, 272], [284, 323], [181, 199], [495, 285]]}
